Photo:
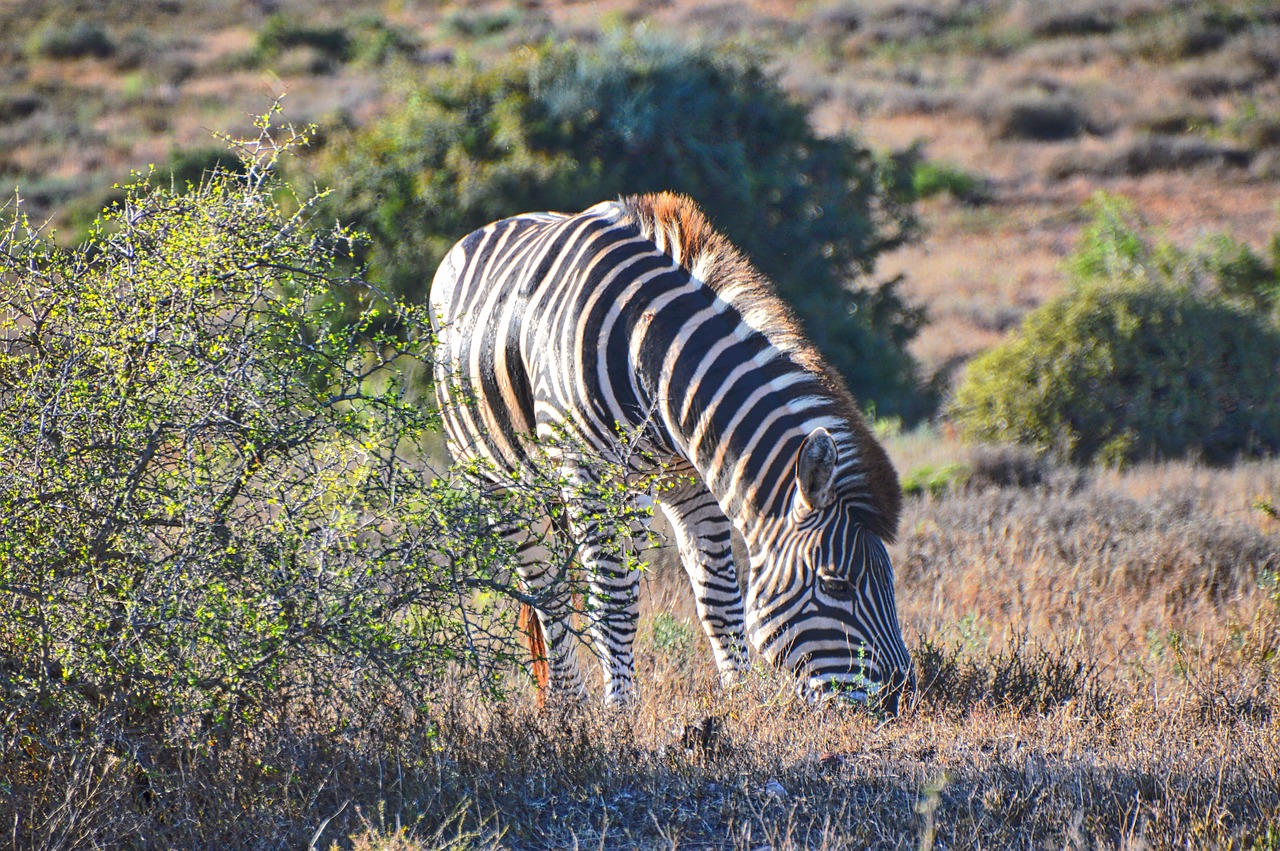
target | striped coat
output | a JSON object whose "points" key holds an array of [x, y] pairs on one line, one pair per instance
{"points": [[636, 314]]}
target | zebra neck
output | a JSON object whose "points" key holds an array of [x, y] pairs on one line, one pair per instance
{"points": [[742, 431], [728, 398], [757, 491]]}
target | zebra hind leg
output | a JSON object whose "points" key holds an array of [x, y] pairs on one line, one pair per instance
{"points": [[547, 626]]}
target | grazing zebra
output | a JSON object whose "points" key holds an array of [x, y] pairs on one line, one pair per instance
{"points": [[636, 313]]}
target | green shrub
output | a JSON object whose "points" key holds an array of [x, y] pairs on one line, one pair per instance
{"points": [[1243, 274], [374, 41], [281, 32], [216, 495], [1141, 358], [932, 178], [72, 41], [562, 128], [480, 23], [366, 39]]}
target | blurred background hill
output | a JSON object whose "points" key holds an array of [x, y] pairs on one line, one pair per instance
{"points": [[1016, 112]]}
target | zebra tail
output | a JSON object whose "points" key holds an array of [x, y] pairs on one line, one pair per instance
{"points": [[534, 638]]}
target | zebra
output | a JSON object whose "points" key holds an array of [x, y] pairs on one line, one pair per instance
{"points": [[638, 313]]}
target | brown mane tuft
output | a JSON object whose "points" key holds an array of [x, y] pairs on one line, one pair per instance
{"points": [[679, 228]]}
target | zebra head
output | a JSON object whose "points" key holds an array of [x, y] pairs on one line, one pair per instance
{"points": [[820, 601]]}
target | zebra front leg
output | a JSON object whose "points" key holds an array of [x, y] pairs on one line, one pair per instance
{"points": [[704, 537]]}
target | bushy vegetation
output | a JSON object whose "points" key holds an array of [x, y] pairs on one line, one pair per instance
{"points": [[931, 178], [186, 444], [216, 495], [1155, 351], [365, 39], [71, 41], [563, 128], [1037, 116]]}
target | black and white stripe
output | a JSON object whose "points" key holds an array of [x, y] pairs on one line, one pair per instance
{"points": [[635, 314]]}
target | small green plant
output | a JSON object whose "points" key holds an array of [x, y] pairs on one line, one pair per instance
{"points": [[932, 178], [934, 480], [1266, 505], [670, 635]]}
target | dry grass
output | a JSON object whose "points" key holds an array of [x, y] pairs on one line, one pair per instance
{"points": [[1098, 658]]}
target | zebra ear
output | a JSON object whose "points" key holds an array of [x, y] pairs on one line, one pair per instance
{"points": [[816, 469]]}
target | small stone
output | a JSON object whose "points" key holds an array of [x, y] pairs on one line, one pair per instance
{"points": [[774, 789]]}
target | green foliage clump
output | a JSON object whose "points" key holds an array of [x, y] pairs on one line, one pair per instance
{"points": [[367, 39], [934, 480], [933, 178], [1153, 352], [216, 493], [280, 33], [71, 41], [564, 127], [479, 23]]}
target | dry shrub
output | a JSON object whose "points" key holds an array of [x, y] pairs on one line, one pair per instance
{"points": [[1117, 575], [15, 106], [726, 20], [1083, 17], [837, 20], [1035, 116], [1068, 52], [1181, 36], [913, 100], [1153, 153], [1175, 120], [1215, 79], [898, 23], [1259, 47], [1026, 676], [1009, 465]]}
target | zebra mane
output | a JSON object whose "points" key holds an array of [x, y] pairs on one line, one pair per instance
{"points": [[679, 228]]}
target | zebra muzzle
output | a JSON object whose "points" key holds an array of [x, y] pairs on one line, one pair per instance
{"points": [[856, 688]]}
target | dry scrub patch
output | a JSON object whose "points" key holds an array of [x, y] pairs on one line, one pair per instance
{"points": [[691, 768], [1097, 655]]}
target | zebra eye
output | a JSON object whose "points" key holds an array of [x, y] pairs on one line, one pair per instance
{"points": [[836, 586]]}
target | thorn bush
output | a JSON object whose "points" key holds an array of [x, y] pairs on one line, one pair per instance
{"points": [[216, 493]]}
